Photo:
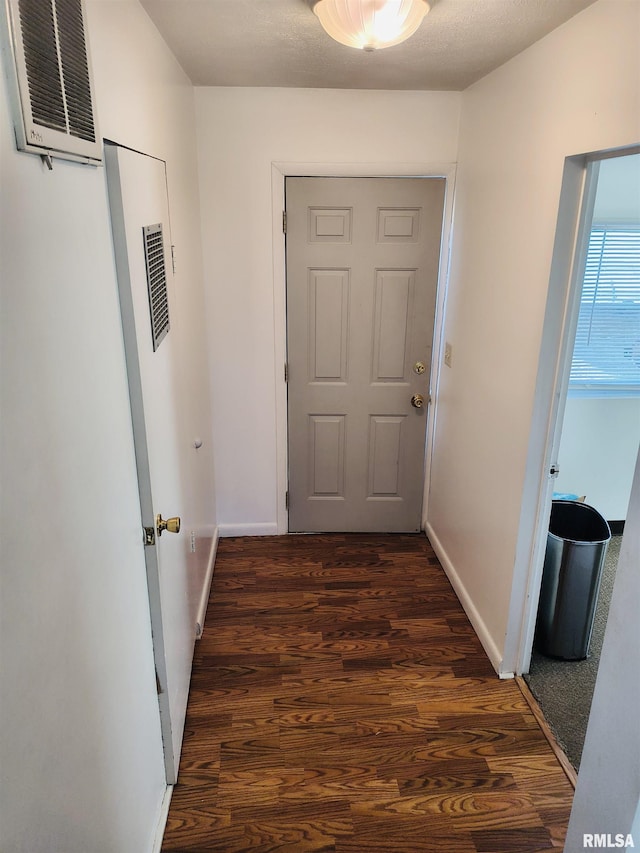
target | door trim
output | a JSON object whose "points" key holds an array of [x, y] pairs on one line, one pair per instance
{"points": [[282, 170]]}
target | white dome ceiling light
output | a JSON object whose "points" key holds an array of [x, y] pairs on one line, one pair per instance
{"points": [[370, 24]]}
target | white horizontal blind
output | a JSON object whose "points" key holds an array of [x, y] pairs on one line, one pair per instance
{"points": [[606, 356]]}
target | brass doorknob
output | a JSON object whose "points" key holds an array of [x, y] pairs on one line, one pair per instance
{"points": [[171, 524], [417, 401]]}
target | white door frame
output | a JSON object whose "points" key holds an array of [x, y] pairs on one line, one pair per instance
{"points": [[561, 316], [282, 170]]}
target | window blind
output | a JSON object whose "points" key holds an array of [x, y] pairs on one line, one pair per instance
{"points": [[606, 356]]}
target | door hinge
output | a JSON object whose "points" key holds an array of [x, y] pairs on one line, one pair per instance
{"points": [[158, 685], [173, 259], [554, 470], [286, 371], [284, 221], [149, 537], [286, 499]]}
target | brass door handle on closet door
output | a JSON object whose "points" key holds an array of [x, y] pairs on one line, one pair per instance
{"points": [[171, 524]]}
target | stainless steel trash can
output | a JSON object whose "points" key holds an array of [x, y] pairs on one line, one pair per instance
{"points": [[576, 547]]}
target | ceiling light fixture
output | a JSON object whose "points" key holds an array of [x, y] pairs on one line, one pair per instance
{"points": [[370, 24]]}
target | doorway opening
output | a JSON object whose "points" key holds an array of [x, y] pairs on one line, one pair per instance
{"points": [[593, 442]]}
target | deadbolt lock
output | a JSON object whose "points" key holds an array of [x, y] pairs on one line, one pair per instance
{"points": [[417, 401], [171, 524], [419, 367]]}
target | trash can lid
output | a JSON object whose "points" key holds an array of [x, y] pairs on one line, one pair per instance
{"points": [[578, 522]]}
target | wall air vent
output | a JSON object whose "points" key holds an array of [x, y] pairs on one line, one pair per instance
{"points": [[156, 283], [48, 64]]}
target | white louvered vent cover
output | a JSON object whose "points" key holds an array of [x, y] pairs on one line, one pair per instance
{"points": [[156, 283], [52, 79]]}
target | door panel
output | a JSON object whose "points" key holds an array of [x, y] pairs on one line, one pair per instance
{"points": [[362, 269], [138, 199], [393, 304], [326, 451], [385, 448], [328, 324]]}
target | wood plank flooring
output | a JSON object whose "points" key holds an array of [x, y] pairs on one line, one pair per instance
{"points": [[341, 702]]}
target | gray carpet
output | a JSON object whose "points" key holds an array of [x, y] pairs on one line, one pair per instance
{"points": [[564, 689]]}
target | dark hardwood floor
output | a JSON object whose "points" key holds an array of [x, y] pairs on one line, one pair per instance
{"points": [[340, 701]]}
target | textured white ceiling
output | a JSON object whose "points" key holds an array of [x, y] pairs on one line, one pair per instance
{"points": [[281, 43]]}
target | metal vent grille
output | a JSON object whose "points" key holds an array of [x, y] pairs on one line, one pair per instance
{"points": [[75, 69], [156, 283], [41, 59], [57, 67]]}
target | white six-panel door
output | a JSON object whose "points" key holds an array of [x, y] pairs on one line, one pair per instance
{"points": [[362, 270]]}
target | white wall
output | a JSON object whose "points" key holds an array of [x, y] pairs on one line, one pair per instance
{"points": [[575, 90], [240, 133], [81, 755], [607, 798], [598, 451]]}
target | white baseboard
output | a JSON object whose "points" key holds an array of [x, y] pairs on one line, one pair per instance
{"points": [[206, 588], [162, 819], [493, 653], [264, 529]]}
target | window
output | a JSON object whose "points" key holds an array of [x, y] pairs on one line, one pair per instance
{"points": [[606, 356]]}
